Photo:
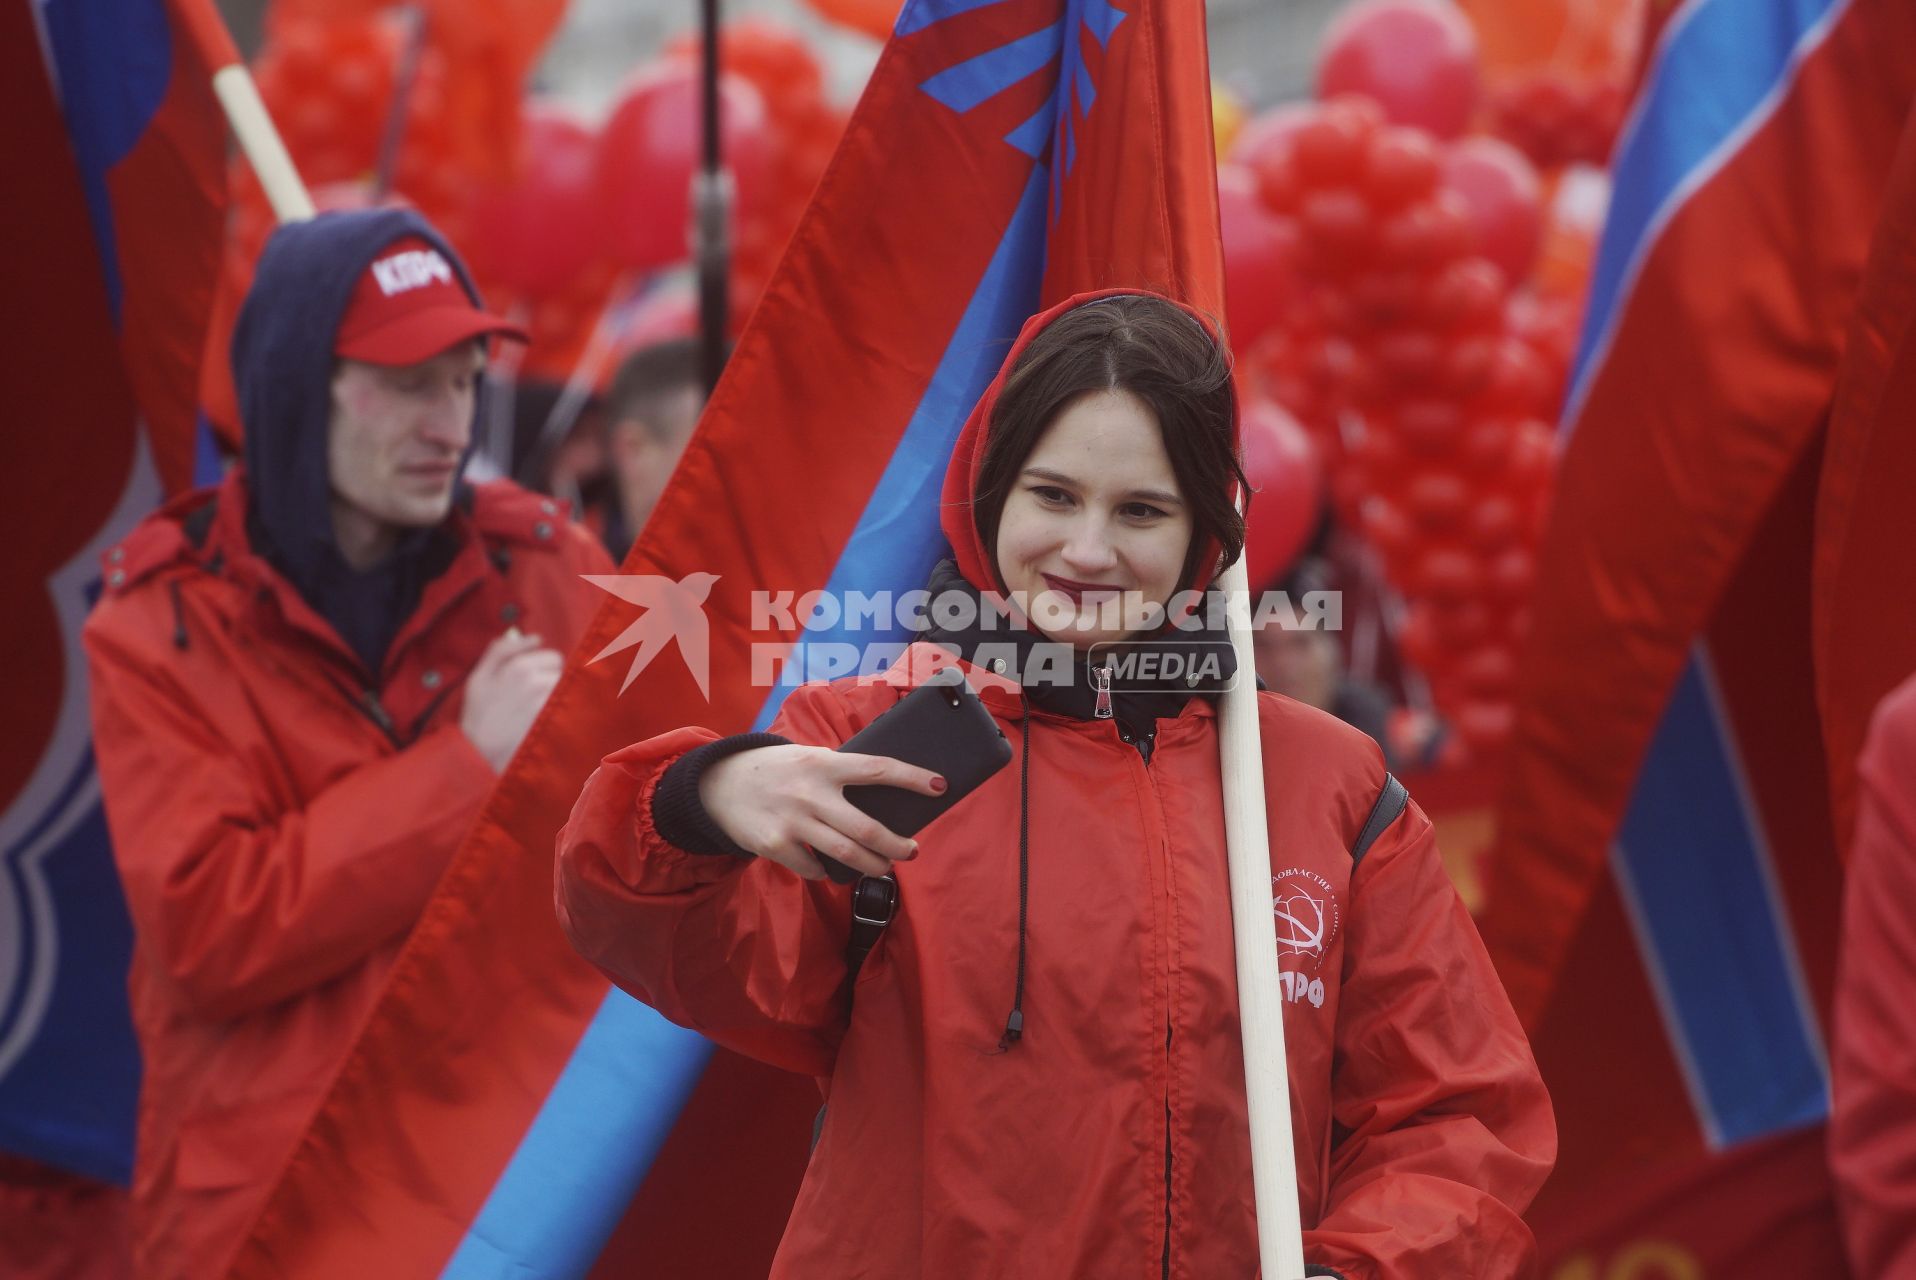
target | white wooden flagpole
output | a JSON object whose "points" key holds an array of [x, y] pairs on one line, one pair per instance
{"points": [[259, 140], [1259, 995]]}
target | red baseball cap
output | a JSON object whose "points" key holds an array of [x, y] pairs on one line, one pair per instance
{"points": [[409, 306]]}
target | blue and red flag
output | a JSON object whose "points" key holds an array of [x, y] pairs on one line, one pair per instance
{"points": [[109, 239], [504, 1106], [1865, 636], [1663, 900]]}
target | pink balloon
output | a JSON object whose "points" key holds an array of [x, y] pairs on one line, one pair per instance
{"points": [[1259, 257], [1504, 197], [1416, 58], [649, 151], [537, 234], [1288, 490]]}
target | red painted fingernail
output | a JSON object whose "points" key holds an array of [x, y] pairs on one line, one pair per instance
{"points": [[938, 785]]}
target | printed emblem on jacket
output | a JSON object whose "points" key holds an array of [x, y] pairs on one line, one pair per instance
{"points": [[1305, 907]]}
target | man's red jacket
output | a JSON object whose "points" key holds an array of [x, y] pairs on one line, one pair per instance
{"points": [[279, 822], [1873, 1059]]}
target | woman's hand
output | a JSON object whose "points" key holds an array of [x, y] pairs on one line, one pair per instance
{"points": [[783, 802]]}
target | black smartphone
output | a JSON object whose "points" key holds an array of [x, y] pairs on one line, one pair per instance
{"points": [[942, 726]]}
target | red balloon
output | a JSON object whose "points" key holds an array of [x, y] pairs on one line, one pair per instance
{"points": [[538, 233], [1465, 295], [1385, 527], [1417, 639], [1511, 575], [1287, 488], [1438, 499], [1267, 145], [1259, 256], [1430, 426], [1415, 58], [1408, 358], [1402, 166], [1494, 522], [1519, 382], [1533, 457], [1448, 575], [1459, 624], [1505, 199], [649, 150], [1467, 363], [1336, 222], [1379, 458]]}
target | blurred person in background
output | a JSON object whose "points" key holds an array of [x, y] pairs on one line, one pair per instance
{"points": [[571, 465], [612, 460], [1305, 661], [304, 684], [651, 409], [1873, 1060]]}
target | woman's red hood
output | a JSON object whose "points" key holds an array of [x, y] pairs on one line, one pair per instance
{"points": [[956, 506]]}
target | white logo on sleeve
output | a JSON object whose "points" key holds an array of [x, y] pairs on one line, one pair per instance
{"points": [[413, 269], [1306, 913]]}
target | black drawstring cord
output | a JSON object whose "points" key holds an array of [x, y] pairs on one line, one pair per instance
{"points": [[179, 614], [1015, 1024]]}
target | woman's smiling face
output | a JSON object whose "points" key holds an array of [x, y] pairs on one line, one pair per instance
{"points": [[1095, 531]]}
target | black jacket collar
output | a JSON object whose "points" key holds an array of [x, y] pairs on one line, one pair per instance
{"points": [[1140, 697]]}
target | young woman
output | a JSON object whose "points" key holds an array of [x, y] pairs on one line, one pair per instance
{"points": [[1038, 1070]]}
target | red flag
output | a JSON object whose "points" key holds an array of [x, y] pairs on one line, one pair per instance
{"points": [[109, 242], [1663, 898], [1865, 630]]}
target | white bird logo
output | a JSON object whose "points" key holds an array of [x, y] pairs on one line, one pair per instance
{"points": [[673, 611]]}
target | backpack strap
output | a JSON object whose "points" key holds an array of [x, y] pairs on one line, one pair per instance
{"points": [[1390, 806], [874, 903]]}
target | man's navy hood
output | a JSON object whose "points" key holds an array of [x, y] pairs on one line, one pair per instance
{"points": [[283, 366]]}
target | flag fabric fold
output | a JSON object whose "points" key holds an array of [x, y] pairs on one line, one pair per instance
{"points": [[111, 235], [1865, 628], [504, 1108], [1664, 887], [1723, 286]]}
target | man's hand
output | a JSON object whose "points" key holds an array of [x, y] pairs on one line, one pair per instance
{"points": [[507, 687], [783, 802]]}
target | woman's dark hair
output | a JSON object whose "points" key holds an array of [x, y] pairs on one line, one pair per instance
{"points": [[1164, 356]]}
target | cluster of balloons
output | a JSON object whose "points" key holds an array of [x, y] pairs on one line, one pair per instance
{"points": [[1559, 120], [556, 215], [1384, 287]]}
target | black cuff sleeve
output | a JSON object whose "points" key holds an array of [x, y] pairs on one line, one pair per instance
{"points": [[1323, 1271], [677, 812]]}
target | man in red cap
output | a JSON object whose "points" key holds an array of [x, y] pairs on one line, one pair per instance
{"points": [[304, 683]]}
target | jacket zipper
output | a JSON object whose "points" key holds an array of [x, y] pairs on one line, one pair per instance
{"points": [[376, 712], [367, 703], [1144, 744], [1167, 1163]]}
